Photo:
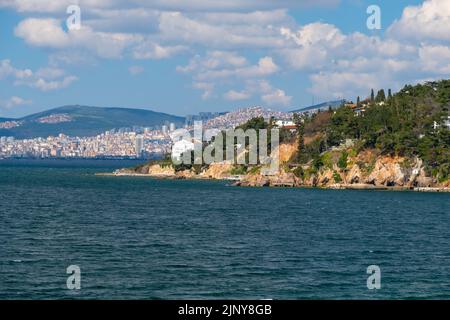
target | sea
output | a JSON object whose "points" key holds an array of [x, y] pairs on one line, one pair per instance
{"points": [[144, 238]]}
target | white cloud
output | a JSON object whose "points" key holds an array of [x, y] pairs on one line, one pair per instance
{"points": [[70, 57], [435, 59], [202, 29], [208, 68], [151, 50], [314, 33], [44, 79], [345, 65], [50, 73], [50, 6], [42, 33], [338, 64], [233, 95], [222, 67], [277, 98], [7, 70], [207, 87], [213, 60], [47, 85], [49, 33], [429, 21], [274, 97], [338, 85], [13, 102]]}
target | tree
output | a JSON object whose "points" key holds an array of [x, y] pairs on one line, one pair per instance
{"points": [[343, 159], [372, 96], [389, 95], [300, 124], [381, 96], [358, 101]]}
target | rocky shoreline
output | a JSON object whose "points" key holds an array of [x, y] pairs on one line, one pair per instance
{"points": [[367, 170], [283, 181]]}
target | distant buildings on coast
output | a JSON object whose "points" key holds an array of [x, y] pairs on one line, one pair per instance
{"points": [[145, 142], [133, 142]]}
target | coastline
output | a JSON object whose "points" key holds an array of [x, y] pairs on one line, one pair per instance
{"points": [[359, 186]]}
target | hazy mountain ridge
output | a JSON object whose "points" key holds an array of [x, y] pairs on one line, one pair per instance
{"points": [[78, 120], [324, 105]]}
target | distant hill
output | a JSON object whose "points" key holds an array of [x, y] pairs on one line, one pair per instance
{"points": [[86, 121], [324, 105]]}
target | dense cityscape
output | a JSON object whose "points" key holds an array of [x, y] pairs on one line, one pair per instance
{"points": [[135, 142]]}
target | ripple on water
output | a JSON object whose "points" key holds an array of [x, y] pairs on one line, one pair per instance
{"points": [[143, 238]]}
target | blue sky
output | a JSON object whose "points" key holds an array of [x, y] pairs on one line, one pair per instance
{"points": [[184, 57]]}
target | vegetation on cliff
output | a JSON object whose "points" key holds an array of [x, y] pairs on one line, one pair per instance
{"points": [[401, 125], [386, 140]]}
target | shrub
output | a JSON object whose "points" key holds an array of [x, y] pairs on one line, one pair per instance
{"points": [[299, 172], [342, 162], [337, 177]]}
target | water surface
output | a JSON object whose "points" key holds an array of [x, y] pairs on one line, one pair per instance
{"points": [[140, 238]]}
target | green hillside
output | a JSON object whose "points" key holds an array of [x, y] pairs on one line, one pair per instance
{"points": [[410, 123], [87, 121]]}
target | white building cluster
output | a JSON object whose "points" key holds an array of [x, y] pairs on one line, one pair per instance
{"points": [[236, 118], [123, 143], [108, 144]]}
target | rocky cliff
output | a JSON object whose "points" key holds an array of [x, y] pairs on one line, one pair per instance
{"points": [[366, 170]]}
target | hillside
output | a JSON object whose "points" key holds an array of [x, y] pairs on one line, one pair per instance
{"points": [[393, 141], [85, 121], [321, 106]]}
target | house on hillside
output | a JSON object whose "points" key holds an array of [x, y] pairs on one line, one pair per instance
{"points": [[286, 124], [359, 108], [445, 123]]}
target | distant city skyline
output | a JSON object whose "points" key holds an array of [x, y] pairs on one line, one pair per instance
{"points": [[185, 58], [125, 142]]}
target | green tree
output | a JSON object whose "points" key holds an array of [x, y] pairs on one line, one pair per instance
{"points": [[300, 124], [343, 160], [381, 96]]}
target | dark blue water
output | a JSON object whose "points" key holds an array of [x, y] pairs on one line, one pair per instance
{"points": [[138, 238]]}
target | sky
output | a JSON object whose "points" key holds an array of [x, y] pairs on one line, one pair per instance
{"points": [[184, 57]]}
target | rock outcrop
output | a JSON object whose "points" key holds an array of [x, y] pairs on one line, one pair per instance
{"points": [[365, 171]]}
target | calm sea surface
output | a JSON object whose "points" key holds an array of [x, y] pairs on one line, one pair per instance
{"points": [[139, 238]]}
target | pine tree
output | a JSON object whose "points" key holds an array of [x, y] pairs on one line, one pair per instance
{"points": [[358, 101], [299, 123], [381, 96], [389, 94], [372, 96]]}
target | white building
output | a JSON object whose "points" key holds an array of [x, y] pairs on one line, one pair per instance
{"points": [[288, 124], [181, 147], [139, 145], [445, 123]]}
